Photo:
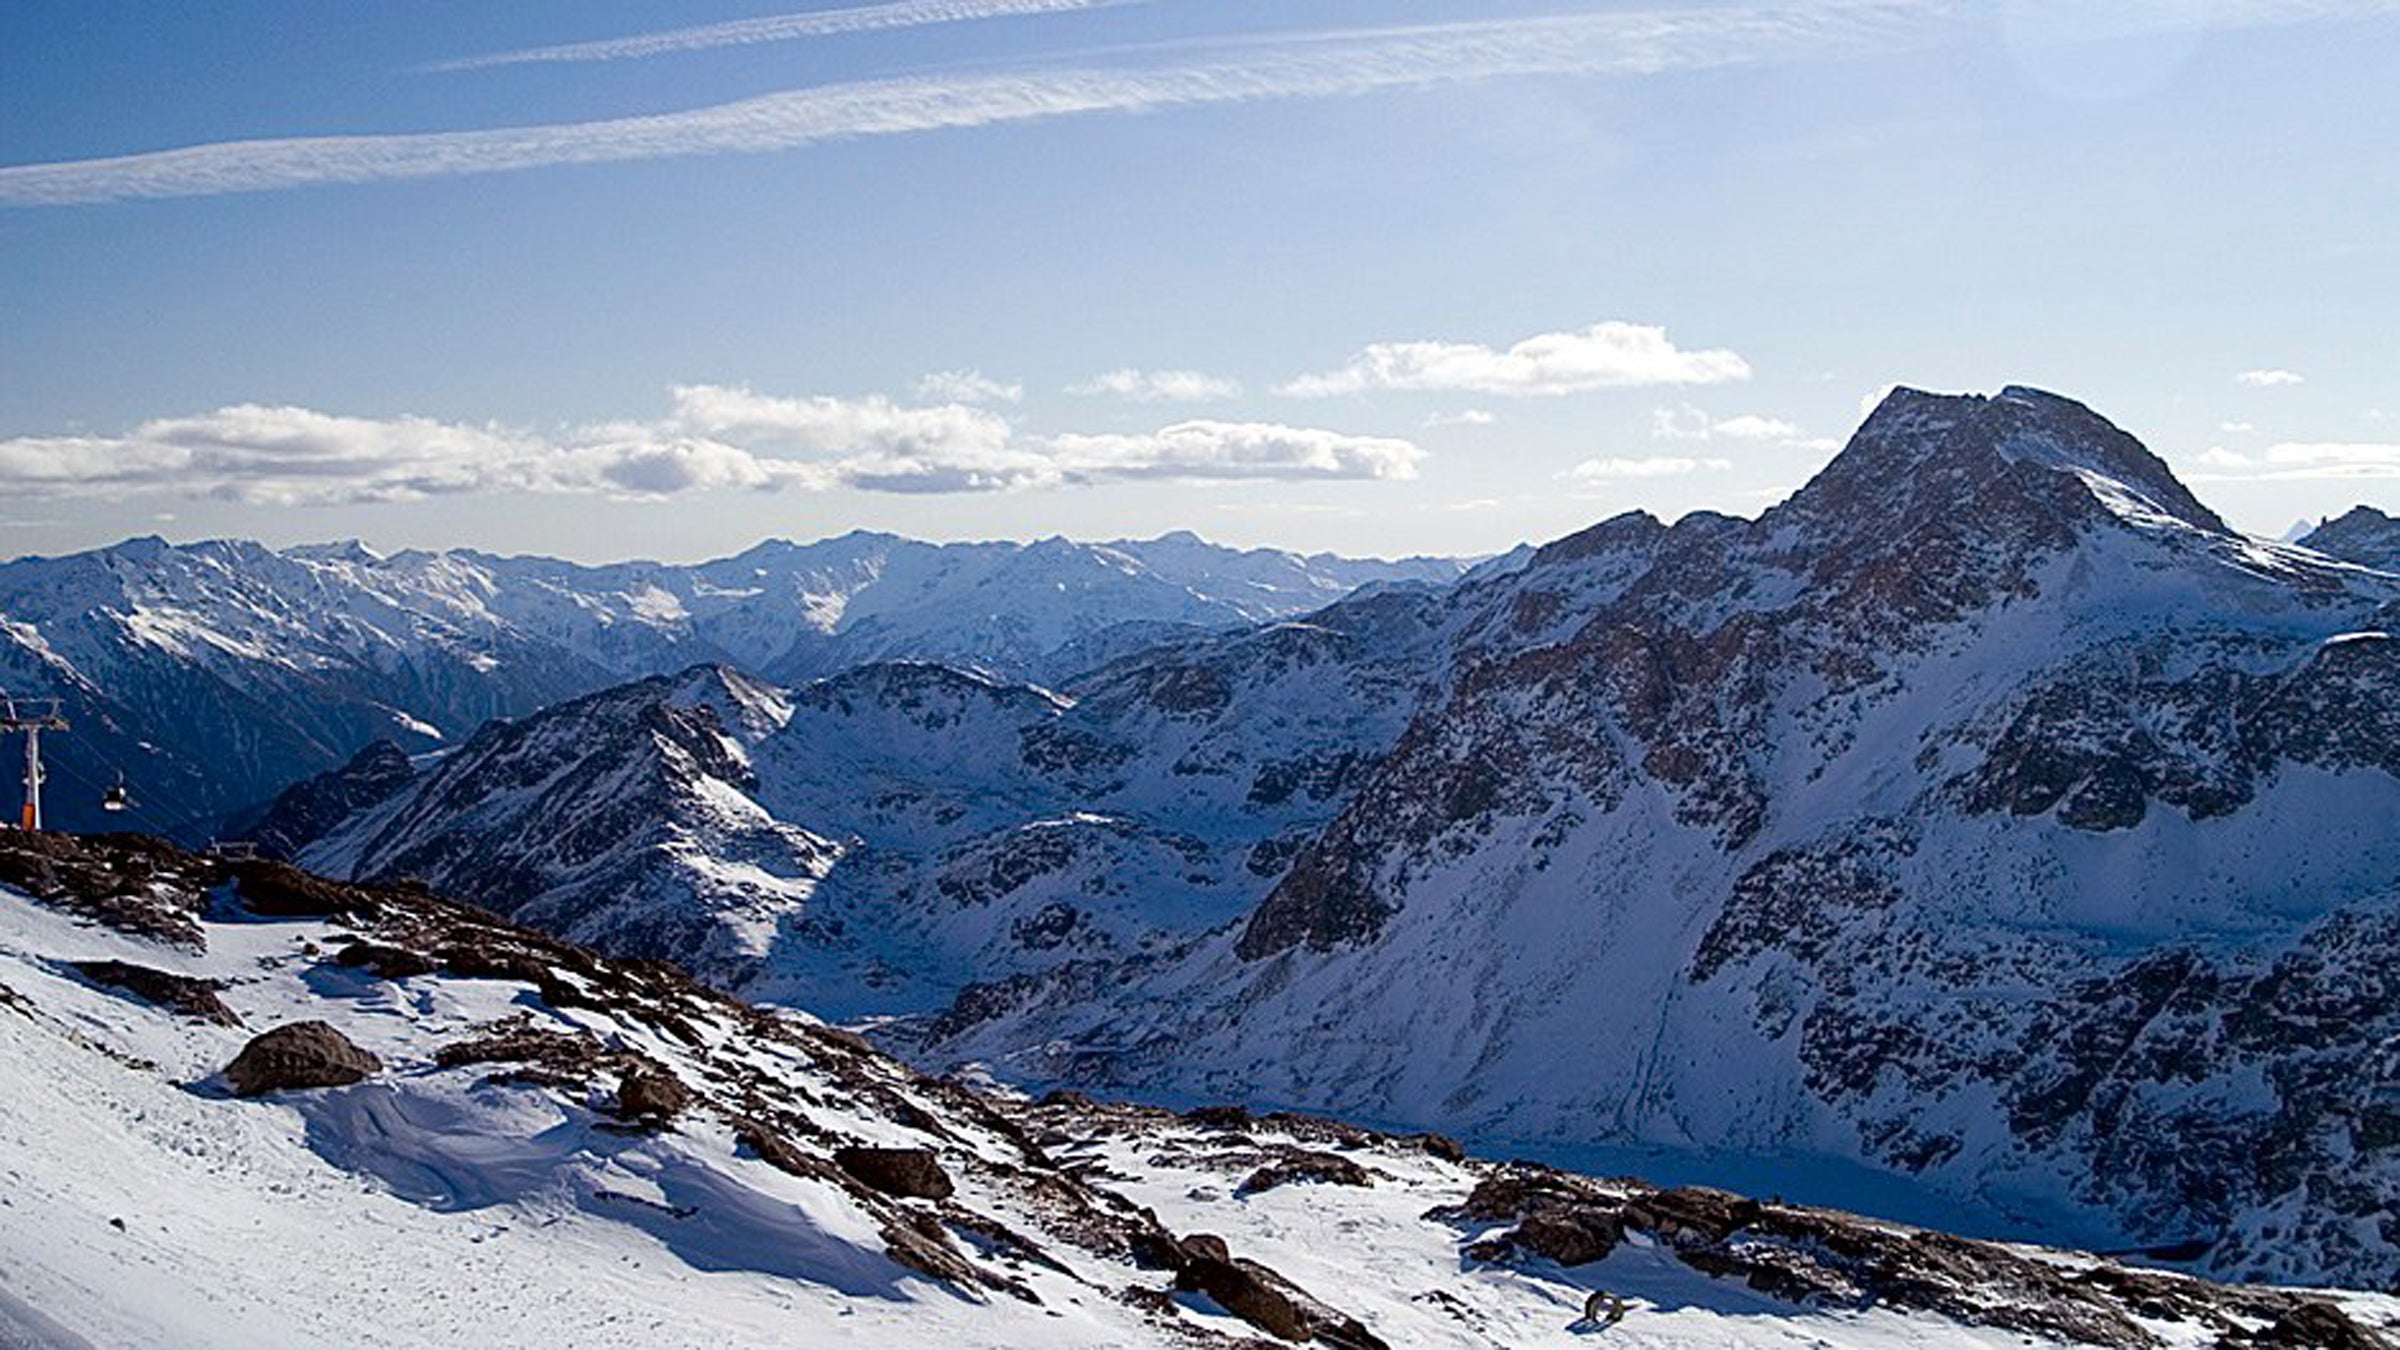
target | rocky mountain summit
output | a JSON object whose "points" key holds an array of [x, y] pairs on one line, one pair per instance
{"points": [[1986, 813], [244, 1105]]}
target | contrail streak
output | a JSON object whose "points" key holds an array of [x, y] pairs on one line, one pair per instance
{"points": [[1323, 65], [777, 28]]}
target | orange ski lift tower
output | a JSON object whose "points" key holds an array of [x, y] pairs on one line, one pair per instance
{"points": [[33, 716]]}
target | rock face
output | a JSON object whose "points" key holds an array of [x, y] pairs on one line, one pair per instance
{"points": [[307, 810], [299, 1055], [193, 998], [1832, 1260], [1987, 813], [911, 1173]]}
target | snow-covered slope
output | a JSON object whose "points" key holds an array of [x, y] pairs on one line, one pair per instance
{"points": [[1987, 813], [511, 1141], [214, 674]]}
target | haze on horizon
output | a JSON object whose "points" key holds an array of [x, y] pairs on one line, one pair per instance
{"points": [[1419, 276]]}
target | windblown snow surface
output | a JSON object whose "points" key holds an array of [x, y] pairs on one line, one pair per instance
{"points": [[429, 1205]]}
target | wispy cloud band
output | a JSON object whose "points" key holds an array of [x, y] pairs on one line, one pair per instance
{"points": [[1317, 66], [775, 28]]}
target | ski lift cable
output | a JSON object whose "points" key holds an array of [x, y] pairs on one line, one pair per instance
{"points": [[13, 707]]}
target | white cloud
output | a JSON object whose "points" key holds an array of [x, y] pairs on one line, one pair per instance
{"points": [[1688, 423], [775, 28], [1656, 466], [1309, 65], [2236, 428], [1205, 449], [1464, 417], [820, 424], [1869, 401], [2336, 454], [2303, 461], [2269, 378], [1160, 386], [1611, 354], [1751, 427], [298, 456], [968, 386], [715, 437]]}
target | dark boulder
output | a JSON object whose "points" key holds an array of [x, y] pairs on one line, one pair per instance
{"points": [[1263, 1298], [912, 1173], [181, 994], [1305, 1165], [385, 961], [652, 1095], [1441, 1146], [2316, 1325], [299, 1055], [1571, 1237], [280, 890], [778, 1152]]}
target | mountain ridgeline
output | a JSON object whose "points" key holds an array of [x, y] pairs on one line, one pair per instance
{"points": [[212, 675], [1987, 815]]}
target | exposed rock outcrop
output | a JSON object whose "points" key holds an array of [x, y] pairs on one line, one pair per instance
{"points": [[299, 1055]]}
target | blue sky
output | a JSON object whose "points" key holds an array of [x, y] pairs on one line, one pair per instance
{"points": [[1378, 277]]}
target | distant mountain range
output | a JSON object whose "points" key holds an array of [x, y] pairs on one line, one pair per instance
{"points": [[211, 675]]}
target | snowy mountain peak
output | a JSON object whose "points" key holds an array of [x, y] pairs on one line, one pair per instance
{"points": [[339, 550], [1629, 530], [2361, 535], [747, 708]]}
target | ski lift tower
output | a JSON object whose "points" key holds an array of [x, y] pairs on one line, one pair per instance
{"points": [[33, 717]]}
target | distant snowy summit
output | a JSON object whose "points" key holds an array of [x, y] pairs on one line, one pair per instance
{"points": [[213, 674]]}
